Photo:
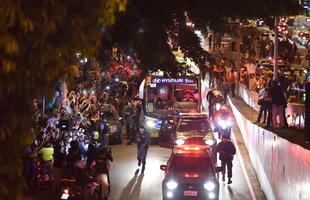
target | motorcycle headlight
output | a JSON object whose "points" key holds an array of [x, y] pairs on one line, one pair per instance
{"points": [[209, 186], [209, 142], [224, 123], [171, 185]]}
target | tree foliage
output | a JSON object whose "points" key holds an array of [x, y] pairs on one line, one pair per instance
{"points": [[38, 41]]}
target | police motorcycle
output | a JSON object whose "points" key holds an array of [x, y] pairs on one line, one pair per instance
{"points": [[223, 122]]}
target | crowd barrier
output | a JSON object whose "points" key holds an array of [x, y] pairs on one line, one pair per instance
{"points": [[283, 168], [295, 112]]}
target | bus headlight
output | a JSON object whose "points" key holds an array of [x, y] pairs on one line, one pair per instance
{"points": [[150, 124], [209, 186], [171, 185], [153, 122]]}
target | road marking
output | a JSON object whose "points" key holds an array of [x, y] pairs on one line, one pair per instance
{"points": [[243, 167]]}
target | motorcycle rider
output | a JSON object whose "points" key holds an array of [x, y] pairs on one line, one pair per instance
{"points": [[143, 142], [214, 97], [227, 150], [223, 121]]}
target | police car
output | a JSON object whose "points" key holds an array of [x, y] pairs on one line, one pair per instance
{"points": [[190, 174], [195, 129]]}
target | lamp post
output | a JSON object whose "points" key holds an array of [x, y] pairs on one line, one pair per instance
{"points": [[276, 49]]}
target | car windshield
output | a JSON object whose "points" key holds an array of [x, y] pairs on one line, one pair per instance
{"points": [[199, 125], [191, 164]]}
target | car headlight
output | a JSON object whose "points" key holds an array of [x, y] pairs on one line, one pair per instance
{"points": [[180, 141], [169, 194], [211, 195], [209, 186], [209, 142], [171, 185]]}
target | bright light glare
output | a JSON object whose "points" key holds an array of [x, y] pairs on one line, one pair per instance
{"points": [[169, 194], [224, 123], [180, 141], [209, 142], [209, 186], [211, 195], [171, 185], [150, 124], [198, 32]]}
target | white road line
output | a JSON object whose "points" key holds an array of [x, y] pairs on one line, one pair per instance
{"points": [[243, 167]]}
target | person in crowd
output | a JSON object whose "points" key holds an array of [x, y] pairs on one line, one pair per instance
{"points": [[210, 99], [73, 156], [211, 75], [47, 156], [231, 79], [138, 110], [143, 142], [219, 74], [127, 113], [59, 164], [278, 103], [227, 150], [102, 167], [31, 166], [103, 129], [263, 105], [225, 89]]}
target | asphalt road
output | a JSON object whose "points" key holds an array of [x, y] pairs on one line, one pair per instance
{"points": [[128, 183]]}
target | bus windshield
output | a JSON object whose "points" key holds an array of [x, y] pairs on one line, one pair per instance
{"points": [[162, 98]]}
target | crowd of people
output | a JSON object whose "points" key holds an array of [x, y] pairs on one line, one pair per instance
{"points": [[73, 139]]}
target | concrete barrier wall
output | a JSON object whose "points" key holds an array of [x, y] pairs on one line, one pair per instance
{"points": [[283, 168], [295, 111]]}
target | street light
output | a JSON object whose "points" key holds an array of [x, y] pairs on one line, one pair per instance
{"points": [[276, 48]]}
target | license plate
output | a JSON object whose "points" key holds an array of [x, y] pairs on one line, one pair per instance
{"points": [[190, 193]]}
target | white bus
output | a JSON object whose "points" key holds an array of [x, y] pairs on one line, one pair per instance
{"points": [[164, 95]]}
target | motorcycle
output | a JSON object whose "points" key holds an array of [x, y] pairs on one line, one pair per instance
{"points": [[223, 126]]}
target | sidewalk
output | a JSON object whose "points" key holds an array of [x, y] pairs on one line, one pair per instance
{"points": [[290, 134]]}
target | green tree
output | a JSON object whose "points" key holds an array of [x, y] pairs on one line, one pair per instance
{"points": [[38, 41]]}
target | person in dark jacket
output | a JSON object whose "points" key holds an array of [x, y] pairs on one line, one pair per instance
{"points": [[227, 150], [278, 104], [102, 167], [143, 142]]}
